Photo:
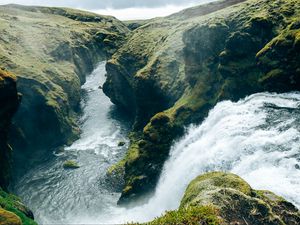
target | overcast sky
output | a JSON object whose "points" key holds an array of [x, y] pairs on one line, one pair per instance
{"points": [[122, 9]]}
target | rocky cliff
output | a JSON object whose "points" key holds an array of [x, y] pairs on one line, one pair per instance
{"points": [[224, 198], [172, 70], [12, 211], [52, 50], [9, 101]]}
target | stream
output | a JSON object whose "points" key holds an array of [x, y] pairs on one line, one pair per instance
{"points": [[257, 138]]}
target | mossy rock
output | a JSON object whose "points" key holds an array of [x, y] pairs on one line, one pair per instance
{"points": [[181, 66], [70, 164], [50, 77], [12, 209], [210, 181], [237, 202], [9, 218]]}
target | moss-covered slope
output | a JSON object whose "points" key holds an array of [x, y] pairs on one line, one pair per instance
{"points": [[224, 198], [51, 50], [172, 70], [13, 212]]}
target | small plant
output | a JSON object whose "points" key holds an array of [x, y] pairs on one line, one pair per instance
{"points": [[70, 164]]}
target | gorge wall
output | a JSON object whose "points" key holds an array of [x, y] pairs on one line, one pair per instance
{"points": [[172, 70], [51, 50], [12, 211], [9, 101]]}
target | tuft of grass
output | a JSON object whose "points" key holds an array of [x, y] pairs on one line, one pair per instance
{"points": [[12, 203], [203, 215]]}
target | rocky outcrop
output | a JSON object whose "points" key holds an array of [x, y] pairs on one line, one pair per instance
{"points": [[51, 50], [9, 101], [172, 70], [13, 212], [225, 198]]}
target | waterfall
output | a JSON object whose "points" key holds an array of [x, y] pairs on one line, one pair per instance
{"points": [[257, 138]]}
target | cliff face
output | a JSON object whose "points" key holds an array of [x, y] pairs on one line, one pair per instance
{"points": [[171, 71], [9, 101], [52, 50], [12, 211], [225, 198]]}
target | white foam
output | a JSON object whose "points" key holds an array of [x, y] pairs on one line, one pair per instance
{"points": [[256, 140]]}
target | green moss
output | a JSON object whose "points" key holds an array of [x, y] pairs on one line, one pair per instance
{"points": [[70, 164], [206, 215], [131, 155], [13, 204], [50, 77], [210, 181], [237, 201], [8, 218], [190, 61]]}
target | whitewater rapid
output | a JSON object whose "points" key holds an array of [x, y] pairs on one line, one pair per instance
{"points": [[257, 138], [60, 196]]}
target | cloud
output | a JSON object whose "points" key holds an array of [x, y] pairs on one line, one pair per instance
{"points": [[103, 4], [140, 13], [121, 9]]}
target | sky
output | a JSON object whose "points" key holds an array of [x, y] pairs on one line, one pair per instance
{"points": [[122, 9]]}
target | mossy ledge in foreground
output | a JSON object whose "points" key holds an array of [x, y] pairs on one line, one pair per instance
{"points": [[13, 212], [183, 65], [219, 198], [51, 50]]}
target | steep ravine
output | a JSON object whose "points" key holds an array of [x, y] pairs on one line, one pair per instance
{"points": [[225, 141], [168, 73], [51, 50], [183, 65], [59, 195]]}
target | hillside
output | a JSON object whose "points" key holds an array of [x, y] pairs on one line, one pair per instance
{"points": [[182, 65], [51, 50]]}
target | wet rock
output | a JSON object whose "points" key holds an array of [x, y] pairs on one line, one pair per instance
{"points": [[51, 50], [9, 102], [225, 198], [237, 202], [183, 65], [70, 164]]}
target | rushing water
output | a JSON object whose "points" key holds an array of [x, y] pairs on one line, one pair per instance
{"points": [[59, 196], [257, 138]]}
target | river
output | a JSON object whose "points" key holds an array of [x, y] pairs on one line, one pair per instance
{"points": [[257, 138]]}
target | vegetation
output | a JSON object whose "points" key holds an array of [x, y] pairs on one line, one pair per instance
{"points": [[182, 65], [51, 50], [204, 215], [70, 164], [13, 212], [224, 198]]}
